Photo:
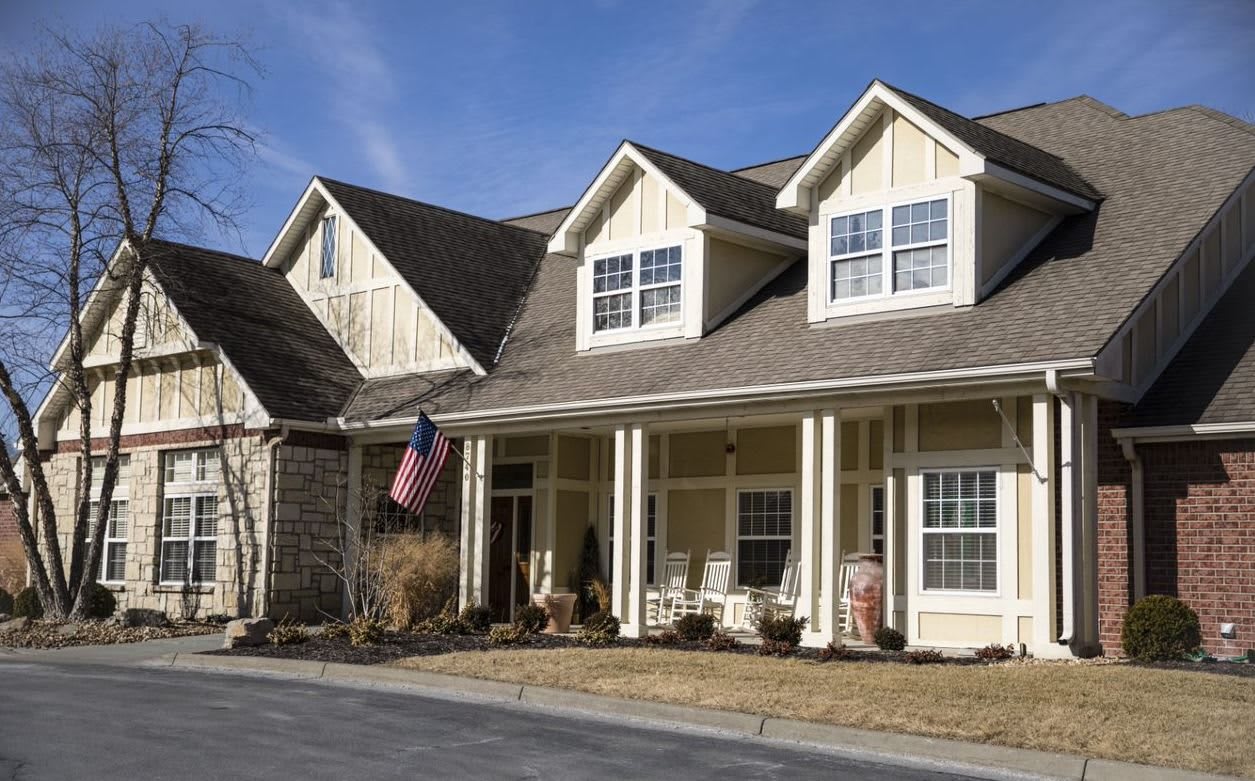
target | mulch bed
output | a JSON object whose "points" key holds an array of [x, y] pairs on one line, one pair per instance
{"points": [[53, 634]]}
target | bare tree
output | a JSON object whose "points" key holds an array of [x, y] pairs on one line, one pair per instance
{"points": [[107, 141]]}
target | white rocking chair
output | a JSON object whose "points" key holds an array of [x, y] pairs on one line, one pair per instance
{"points": [[675, 573], [849, 565], [713, 593], [774, 601]]}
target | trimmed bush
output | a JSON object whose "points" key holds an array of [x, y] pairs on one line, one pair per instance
{"points": [[778, 648], [665, 637], [27, 605], [695, 626], [781, 629], [722, 641], [6, 602], [996, 653], [1160, 628], [924, 656], [475, 618], [833, 651], [99, 602], [506, 635], [366, 631], [600, 628], [337, 630], [531, 619], [288, 632], [889, 639]]}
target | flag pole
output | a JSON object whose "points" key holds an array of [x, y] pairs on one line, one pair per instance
{"points": [[465, 460]]}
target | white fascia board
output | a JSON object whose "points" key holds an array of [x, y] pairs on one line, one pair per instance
{"points": [[795, 196], [1185, 432], [93, 297], [911, 381], [724, 224], [401, 281], [565, 239], [271, 258], [1073, 204]]}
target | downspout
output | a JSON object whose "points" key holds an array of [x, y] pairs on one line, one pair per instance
{"points": [[1069, 503], [1137, 500], [272, 446]]}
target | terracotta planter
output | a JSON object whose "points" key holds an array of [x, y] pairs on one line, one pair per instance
{"points": [[867, 593], [560, 607]]}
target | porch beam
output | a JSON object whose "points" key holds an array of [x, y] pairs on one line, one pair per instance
{"points": [[637, 540]]}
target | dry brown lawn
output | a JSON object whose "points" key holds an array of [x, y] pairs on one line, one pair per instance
{"points": [[1195, 720]]}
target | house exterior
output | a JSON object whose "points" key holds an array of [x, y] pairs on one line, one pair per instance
{"points": [[964, 344]]}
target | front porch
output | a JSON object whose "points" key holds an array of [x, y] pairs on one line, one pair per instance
{"points": [[957, 496]]}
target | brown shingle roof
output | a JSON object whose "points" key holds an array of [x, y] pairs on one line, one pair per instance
{"points": [[293, 366], [1162, 176], [1212, 379]]}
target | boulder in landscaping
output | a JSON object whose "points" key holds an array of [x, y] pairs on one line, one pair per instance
{"points": [[16, 625], [137, 616], [67, 630], [4, 617], [248, 631]]}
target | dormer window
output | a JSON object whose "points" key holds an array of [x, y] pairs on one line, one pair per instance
{"points": [[328, 268], [919, 245], [647, 282]]}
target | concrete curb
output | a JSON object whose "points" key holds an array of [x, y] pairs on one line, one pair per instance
{"points": [[915, 749]]}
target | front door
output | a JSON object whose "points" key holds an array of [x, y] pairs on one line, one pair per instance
{"points": [[509, 555]]}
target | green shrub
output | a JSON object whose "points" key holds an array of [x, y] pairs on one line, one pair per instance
{"points": [[6, 602], [531, 619], [506, 635], [833, 651], [27, 605], [889, 639], [289, 632], [475, 618], [695, 626], [722, 641], [924, 656], [600, 628], [996, 653], [782, 629], [99, 602], [665, 637], [366, 631], [1160, 628], [775, 648]]}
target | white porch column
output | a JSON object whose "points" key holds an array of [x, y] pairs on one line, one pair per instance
{"points": [[622, 504], [808, 520], [826, 623], [636, 539], [1045, 631], [476, 489]]}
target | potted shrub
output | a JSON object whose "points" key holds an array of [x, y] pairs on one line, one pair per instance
{"points": [[560, 607]]}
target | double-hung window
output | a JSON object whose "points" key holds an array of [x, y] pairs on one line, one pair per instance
{"points": [[960, 530], [764, 535], [328, 267], [189, 523], [915, 256], [637, 289], [113, 555], [878, 519], [651, 539]]}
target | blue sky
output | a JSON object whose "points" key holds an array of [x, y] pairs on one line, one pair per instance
{"points": [[505, 108]]}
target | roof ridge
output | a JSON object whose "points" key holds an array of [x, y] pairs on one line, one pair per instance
{"points": [[428, 204], [769, 162], [979, 117], [222, 253], [534, 214], [699, 165], [1207, 111]]}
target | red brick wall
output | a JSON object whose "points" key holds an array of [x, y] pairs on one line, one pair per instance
{"points": [[1115, 572], [1200, 532]]}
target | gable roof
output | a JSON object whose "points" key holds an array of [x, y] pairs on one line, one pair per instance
{"points": [[725, 194], [1062, 303], [1003, 149], [471, 271], [1212, 379], [545, 222], [773, 174], [289, 361]]}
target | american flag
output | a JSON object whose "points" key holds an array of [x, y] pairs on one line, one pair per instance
{"points": [[424, 458]]}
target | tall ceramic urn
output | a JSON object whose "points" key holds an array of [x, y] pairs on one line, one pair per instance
{"points": [[867, 594]]}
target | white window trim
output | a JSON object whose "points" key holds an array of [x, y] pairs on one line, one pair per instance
{"points": [[636, 289], [887, 250], [191, 490], [735, 582], [996, 531], [335, 248], [121, 496], [871, 504]]}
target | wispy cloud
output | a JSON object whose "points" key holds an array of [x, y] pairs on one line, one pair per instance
{"points": [[360, 84]]}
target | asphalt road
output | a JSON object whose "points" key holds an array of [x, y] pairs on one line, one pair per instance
{"points": [[96, 722]]}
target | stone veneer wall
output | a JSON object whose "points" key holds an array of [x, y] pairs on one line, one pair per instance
{"points": [[443, 511], [237, 589], [311, 493], [12, 560]]}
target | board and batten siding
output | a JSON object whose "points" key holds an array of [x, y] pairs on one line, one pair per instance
{"points": [[366, 306]]}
